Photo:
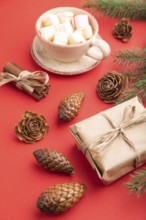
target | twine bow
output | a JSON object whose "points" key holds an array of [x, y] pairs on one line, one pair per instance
{"points": [[101, 144], [26, 80]]}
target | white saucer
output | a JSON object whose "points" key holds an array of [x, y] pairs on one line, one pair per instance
{"points": [[42, 58]]}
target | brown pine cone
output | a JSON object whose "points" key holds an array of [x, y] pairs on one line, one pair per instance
{"points": [[70, 106], [59, 198], [31, 128], [111, 86], [123, 30], [53, 161]]}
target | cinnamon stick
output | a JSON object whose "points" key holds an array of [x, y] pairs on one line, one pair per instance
{"points": [[38, 93]]}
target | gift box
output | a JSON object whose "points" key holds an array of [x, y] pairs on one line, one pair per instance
{"points": [[113, 141]]}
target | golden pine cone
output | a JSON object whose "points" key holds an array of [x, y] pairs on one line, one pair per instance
{"points": [[53, 161], [70, 106], [60, 197]]}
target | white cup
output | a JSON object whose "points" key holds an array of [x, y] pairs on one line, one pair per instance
{"points": [[66, 53]]}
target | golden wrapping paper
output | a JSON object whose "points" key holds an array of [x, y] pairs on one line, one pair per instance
{"points": [[114, 141]]}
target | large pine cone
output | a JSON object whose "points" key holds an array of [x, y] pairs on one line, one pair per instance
{"points": [[111, 86], [59, 198], [70, 106], [123, 30], [53, 161], [31, 128]]}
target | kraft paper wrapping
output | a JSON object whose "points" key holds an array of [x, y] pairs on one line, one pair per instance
{"points": [[127, 150]]}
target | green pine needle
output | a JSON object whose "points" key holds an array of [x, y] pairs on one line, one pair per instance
{"points": [[126, 96], [137, 183], [135, 57], [135, 9], [140, 84]]}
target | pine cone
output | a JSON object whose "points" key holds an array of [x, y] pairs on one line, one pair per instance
{"points": [[111, 86], [31, 128], [53, 161], [70, 106], [123, 30], [59, 198]]}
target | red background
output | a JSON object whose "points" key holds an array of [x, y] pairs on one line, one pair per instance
{"points": [[21, 178]]}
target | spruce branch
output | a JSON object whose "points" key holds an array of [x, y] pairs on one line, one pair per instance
{"points": [[135, 57], [141, 83], [136, 60], [134, 74], [127, 95], [135, 9], [137, 184], [141, 93]]}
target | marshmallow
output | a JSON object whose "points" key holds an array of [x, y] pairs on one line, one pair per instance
{"points": [[60, 38], [73, 23], [51, 19], [76, 37], [103, 46], [81, 21], [65, 16], [65, 27], [95, 53], [48, 32], [87, 32]]}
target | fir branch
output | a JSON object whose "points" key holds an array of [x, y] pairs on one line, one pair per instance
{"points": [[135, 57], [135, 91], [127, 95], [135, 9], [141, 83], [138, 182], [136, 76]]}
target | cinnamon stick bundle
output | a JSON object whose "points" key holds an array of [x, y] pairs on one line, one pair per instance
{"points": [[34, 83]]}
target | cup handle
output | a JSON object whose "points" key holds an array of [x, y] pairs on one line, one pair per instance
{"points": [[99, 49]]}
